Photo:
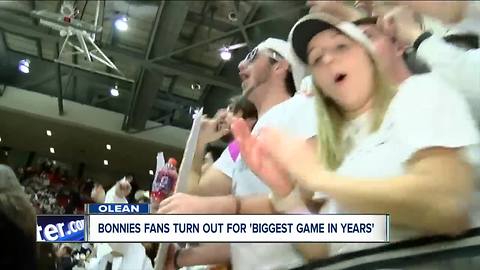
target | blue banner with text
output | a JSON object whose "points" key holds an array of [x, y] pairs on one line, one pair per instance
{"points": [[65, 228], [118, 208]]}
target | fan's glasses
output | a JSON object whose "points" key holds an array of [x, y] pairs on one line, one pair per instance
{"points": [[252, 55]]}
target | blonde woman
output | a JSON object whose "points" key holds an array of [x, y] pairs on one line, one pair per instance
{"points": [[381, 149]]}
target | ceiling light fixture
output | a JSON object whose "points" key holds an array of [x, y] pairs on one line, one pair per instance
{"points": [[24, 66], [225, 54], [52, 150], [105, 162], [114, 91], [49, 132], [150, 172], [232, 16], [195, 86], [122, 23], [108, 146]]}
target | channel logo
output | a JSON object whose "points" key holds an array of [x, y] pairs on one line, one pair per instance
{"points": [[65, 228]]}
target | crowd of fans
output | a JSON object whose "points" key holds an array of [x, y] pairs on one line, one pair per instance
{"points": [[52, 191]]}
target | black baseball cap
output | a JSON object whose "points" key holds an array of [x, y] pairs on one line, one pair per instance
{"points": [[312, 24]]}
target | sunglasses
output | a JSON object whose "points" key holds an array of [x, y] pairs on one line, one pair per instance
{"points": [[252, 55]]}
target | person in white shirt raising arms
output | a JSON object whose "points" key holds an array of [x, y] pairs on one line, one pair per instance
{"points": [[128, 255], [215, 180], [455, 65], [270, 76]]}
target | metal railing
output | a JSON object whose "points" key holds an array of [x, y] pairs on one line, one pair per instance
{"points": [[433, 252]]}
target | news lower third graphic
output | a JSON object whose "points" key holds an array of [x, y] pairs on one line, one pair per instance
{"points": [[64, 228], [238, 228], [109, 223]]}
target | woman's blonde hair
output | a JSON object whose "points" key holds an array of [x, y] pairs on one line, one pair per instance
{"points": [[331, 121]]}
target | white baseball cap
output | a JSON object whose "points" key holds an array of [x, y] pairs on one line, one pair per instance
{"points": [[284, 48]]}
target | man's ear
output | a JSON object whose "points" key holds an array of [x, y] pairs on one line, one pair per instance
{"points": [[282, 65]]}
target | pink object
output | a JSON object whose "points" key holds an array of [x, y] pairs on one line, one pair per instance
{"points": [[164, 182], [234, 150]]}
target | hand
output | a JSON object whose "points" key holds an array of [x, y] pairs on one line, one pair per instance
{"points": [[224, 119], [380, 9], [297, 156], [98, 194], [259, 161], [448, 12], [227, 120], [213, 129], [366, 6], [124, 187], [335, 8], [402, 24], [181, 203]]}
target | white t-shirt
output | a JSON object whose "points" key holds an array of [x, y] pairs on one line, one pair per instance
{"points": [[225, 163], [456, 66], [296, 117], [111, 196], [424, 113]]}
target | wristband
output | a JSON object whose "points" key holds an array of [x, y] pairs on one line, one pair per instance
{"points": [[175, 259], [420, 39]]}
